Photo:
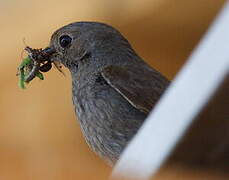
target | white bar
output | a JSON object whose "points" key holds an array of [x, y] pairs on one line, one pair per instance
{"points": [[171, 117]]}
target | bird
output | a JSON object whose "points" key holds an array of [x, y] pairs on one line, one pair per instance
{"points": [[113, 88]]}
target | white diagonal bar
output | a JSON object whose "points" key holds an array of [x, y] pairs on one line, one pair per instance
{"points": [[189, 92]]}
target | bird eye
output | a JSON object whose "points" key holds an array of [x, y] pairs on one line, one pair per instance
{"points": [[65, 41]]}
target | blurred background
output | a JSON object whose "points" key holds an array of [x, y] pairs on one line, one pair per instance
{"points": [[39, 135]]}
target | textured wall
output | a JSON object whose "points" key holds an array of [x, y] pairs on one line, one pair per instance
{"points": [[39, 136]]}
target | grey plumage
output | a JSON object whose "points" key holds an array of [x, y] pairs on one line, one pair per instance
{"points": [[113, 89]]}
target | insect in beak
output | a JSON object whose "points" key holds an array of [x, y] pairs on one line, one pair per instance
{"points": [[37, 61]]}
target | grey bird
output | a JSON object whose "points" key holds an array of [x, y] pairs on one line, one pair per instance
{"points": [[113, 89]]}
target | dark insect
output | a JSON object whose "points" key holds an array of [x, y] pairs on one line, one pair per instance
{"points": [[46, 67], [38, 61], [38, 56]]}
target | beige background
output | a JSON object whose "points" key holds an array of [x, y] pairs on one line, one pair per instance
{"points": [[39, 136]]}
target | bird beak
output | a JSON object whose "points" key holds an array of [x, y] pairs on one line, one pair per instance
{"points": [[53, 57], [49, 52]]}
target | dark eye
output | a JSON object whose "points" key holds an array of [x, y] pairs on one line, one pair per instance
{"points": [[65, 41]]}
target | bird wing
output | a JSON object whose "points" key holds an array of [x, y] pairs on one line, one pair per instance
{"points": [[141, 87]]}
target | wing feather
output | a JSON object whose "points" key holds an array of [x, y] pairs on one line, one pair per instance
{"points": [[141, 87]]}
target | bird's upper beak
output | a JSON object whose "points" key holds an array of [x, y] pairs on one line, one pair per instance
{"points": [[49, 52], [52, 54]]}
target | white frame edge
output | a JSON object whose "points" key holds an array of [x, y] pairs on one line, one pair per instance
{"points": [[189, 92]]}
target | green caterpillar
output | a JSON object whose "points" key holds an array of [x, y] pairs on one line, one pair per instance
{"points": [[24, 69]]}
